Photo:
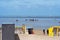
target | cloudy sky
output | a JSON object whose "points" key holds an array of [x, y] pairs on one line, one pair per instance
{"points": [[29, 7]]}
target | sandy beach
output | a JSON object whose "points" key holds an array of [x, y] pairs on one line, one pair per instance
{"points": [[0, 35], [37, 37], [34, 37]]}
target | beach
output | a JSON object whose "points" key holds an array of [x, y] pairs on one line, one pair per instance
{"points": [[0, 35], [34, 37], [37, 37]]}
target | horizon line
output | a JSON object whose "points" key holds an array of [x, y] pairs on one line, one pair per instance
{"points": [[29, 16]]}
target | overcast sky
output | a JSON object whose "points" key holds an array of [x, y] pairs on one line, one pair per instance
{"points": [[29, 7]]}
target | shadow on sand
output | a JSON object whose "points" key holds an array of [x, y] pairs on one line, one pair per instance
{"points": [[16, 37]]}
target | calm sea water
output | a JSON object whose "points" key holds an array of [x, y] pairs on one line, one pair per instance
{"points": [[36, 23]]}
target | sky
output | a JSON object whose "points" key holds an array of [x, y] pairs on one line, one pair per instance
{"points": [[14, 8], [29, 8]]}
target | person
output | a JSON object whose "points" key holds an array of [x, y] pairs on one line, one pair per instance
{"points": [[47, 31], [30, 31], [24, 28], [44, 31]]}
